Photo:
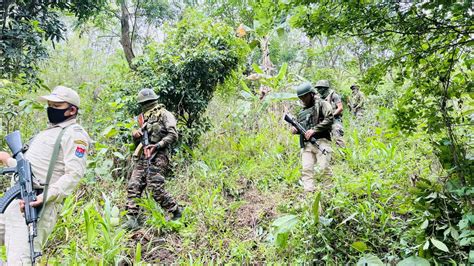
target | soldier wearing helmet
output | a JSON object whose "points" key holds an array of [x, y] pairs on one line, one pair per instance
{"points": [[151, 157], [337, 132], [356, 102], [317, 118]]}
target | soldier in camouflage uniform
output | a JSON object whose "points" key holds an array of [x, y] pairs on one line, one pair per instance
{"points": [[337, 132], [356, 103], [317, 118], [152, 161]]}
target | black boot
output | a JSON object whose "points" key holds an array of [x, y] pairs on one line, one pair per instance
{"points": [[177, 214]]}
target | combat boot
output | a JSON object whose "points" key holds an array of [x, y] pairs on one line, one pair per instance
{"points": [[177, 214]]}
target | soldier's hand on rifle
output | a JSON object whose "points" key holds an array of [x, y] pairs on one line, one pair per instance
{"points": [[136, 133], [149, 150], [38, 202], [294, 130], [309, 134]]}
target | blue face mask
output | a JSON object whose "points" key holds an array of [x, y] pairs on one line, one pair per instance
{"points": [[56, 116]]}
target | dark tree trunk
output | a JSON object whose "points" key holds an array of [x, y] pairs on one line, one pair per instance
{"points": [[125, 38]]}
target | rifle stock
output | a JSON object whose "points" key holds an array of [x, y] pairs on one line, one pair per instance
{"points": [[11, 194]]}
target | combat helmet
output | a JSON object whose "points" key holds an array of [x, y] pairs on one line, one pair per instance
{"points": [[354, 86], [322, 84], [146, 95], [303, 89]]}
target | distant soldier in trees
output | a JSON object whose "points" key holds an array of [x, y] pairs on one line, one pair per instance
{"points": [[357, 100], [317, 118], [337, 132], [154, 138]]}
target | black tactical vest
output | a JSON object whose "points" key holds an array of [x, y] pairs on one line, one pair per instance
{"points": [[310, 117], [155, 126]]}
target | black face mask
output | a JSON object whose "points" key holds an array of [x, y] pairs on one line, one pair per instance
{"points": [[147, 105], [56, 116]]}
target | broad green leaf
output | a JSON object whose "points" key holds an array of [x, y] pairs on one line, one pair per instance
{"points": [[282, 72], [246, 95], [414, 260], [119, 155], [114, 221], [138, 254], [110, 131], [280, 31], [463, 223], [466, 241], [285, 223], [360, 246], [348, 218], [257, 68], [254, 43], [115, 212], [424, 225], [454, 233], [440, 245], [280, 96], [426, 245], [90, 230], [369, 260], [256, 24], [281, 239], [244, 86]]}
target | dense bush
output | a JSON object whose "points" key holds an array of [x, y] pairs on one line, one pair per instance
{"points": [[197, 56]]}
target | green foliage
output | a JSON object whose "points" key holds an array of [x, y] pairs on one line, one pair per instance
{"points": [[100, 240], [198, 55], [437, 68], [26, 24], [391, 200], [427, 47], [282, 227], [15, 111], [414, 260]]}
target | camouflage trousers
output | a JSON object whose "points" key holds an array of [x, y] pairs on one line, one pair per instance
{"points": [[337, 132], [359, 113], [152, 178]]}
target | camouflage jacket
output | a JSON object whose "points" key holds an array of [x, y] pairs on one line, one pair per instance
{"points": [[357, 101], [333, 99], [318, 117], [161, 127]]}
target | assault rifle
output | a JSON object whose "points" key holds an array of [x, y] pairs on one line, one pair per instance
{"points": [[145, 141], [301, 130], [23, 189]]}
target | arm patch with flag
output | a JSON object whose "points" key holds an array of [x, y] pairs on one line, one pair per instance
{"points": [[80, 152]]}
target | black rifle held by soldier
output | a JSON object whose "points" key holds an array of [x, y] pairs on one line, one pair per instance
{"points": [[23, 189], [145, 141], [302, 131]]}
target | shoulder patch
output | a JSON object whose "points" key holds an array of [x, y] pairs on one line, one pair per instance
{"points": [[80, 152]]}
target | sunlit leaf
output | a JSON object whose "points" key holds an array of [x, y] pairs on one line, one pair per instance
{"points": [[440, 245], [360, 246], [414, 260], [369, 260]]}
